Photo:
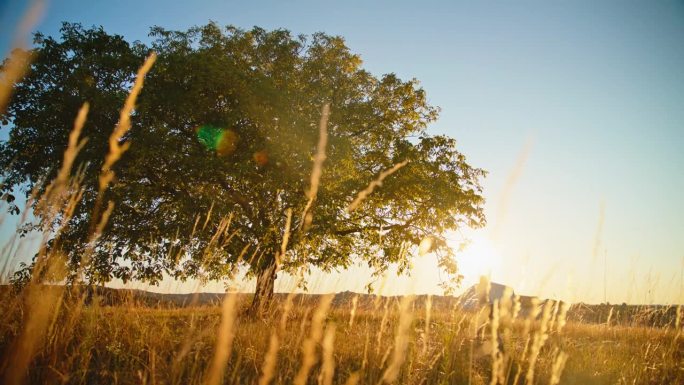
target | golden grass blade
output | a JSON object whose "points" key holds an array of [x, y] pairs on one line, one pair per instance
{"points": [[116, 149], [271, 358], [103, 221], [317, 170], [428, 316], [286, 234], [309, 356], [401, 341], [353, 379], [41, 303], [74, 146], [557, 369], [363, 194], [224, 341], [18, 64], [328, 370], [509, 186], [352, 312], [270, 361], [64, 186], [538, 341]]}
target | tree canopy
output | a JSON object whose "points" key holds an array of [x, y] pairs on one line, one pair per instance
{"points": [[223, 142]]}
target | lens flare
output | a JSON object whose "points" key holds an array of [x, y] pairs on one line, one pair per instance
{"points": [[261, 158], [223, 141]]}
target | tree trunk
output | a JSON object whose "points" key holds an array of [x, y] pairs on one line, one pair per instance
{"points": [[263, 294]]}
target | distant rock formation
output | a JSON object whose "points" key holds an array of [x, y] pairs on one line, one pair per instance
{"points": [[481, 294]]}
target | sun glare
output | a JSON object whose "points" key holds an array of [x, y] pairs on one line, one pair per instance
{"points": [[479, 257]]}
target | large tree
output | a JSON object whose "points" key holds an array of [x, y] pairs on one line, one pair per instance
{"points": [[224, 139]]}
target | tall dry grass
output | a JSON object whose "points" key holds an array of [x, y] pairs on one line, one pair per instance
{"points": [[39, 304], [129, 343]]}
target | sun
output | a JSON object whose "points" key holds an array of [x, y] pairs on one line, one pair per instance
{"points": [[479, 257]]}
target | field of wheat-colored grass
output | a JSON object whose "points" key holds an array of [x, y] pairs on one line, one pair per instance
{"points": [[393, 340]]}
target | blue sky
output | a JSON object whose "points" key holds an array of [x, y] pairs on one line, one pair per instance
{"points": [[576, 104]]}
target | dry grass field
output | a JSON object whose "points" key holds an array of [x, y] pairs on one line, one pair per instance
{"points": [[313, 341]]}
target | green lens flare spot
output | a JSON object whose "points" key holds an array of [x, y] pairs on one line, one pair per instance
{"points": [[223, 141]]}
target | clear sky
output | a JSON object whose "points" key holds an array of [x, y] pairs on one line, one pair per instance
{"points": [[576, 109]]}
